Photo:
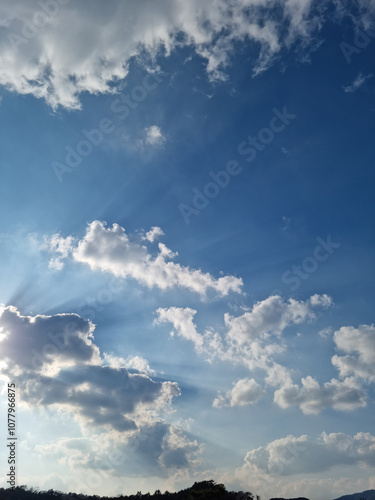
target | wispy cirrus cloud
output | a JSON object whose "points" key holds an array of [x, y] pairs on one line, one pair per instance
{"points": [[357, 83]]}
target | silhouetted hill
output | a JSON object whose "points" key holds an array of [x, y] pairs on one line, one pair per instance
{"points": [[365, 495], [199, 491], [204, 490], [299, 498]]}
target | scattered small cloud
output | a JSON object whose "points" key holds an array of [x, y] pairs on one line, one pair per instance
{"points": [[60, 246], [154, 136], [286, 222], [154, 233], [357, 83], [252, 339], [326, 332]]}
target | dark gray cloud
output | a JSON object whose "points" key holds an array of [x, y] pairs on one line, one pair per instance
{"points": [[37, 343], [55, 362]]}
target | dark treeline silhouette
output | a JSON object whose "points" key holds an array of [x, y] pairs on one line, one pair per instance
{"points": [[204, 490], [199, 491]]}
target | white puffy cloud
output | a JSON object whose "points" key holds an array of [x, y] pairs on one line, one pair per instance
{"points": [[59, 52], [272, 316], [60, 246], [244, 392], [359, 344], [268, 317], [345, 394], [251, 339], [154, 233], [154, 136], [312, 398], [182, 319], [275, 470], [295, 455], [111, 249], [131, 363]]}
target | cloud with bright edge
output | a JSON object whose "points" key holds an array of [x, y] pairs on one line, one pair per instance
{"points": [[131, 363], [111, 250], [55, 363], [59, 55]]}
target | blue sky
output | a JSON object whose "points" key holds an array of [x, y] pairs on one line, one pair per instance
{"points": [[186, 244]]}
